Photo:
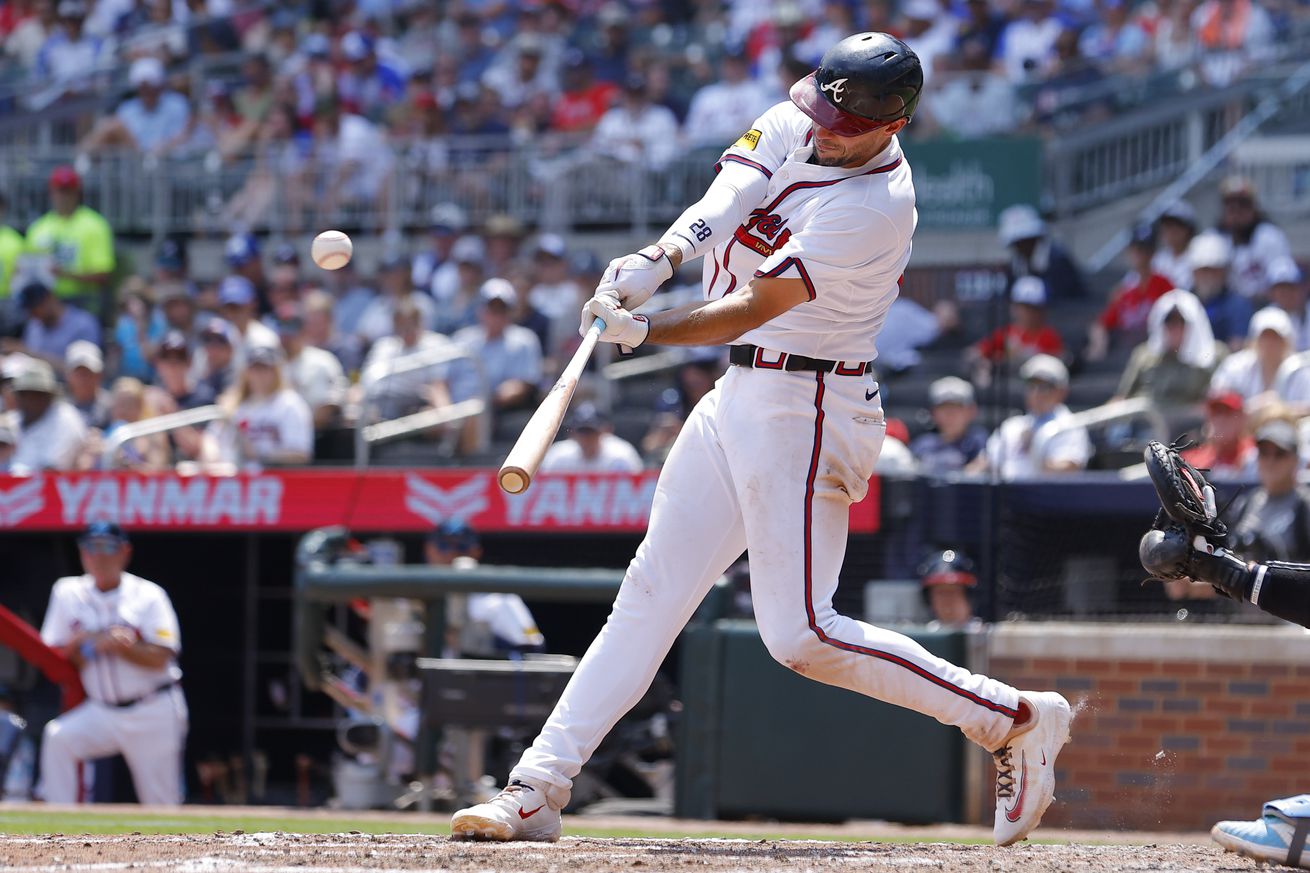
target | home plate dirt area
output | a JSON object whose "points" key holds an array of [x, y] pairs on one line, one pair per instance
{"points": [[346, 853]]}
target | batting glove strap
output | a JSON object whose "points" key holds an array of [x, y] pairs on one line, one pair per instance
{"points": [[621, 326], [636, 277]]}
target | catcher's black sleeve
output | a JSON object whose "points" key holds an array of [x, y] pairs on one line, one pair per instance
{"points": [[1283, 589]]}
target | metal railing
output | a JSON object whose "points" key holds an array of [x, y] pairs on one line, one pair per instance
{"points": [[1293, 89], [159, 424], [369, 432], [1108, 413], [1166, 138]]}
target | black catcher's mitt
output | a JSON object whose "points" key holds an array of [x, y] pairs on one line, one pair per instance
{"points": [[1185, 497]]}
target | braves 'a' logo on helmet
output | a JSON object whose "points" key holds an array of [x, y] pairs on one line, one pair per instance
{"points": [[836, 86]]}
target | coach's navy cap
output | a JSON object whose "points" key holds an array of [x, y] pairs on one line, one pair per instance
{"points": [[103, 530], [454, 534], [587, 417]]}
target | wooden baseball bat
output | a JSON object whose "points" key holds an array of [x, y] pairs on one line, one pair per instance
{"points": [[523, 460]]}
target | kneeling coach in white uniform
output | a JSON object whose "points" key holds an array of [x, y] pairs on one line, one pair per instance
{"points": [[121, 632]]}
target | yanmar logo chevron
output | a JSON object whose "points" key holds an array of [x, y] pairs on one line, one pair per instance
{"points": [[21, 501], [436, 504]]}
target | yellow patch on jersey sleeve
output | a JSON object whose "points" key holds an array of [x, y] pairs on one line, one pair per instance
{"points": [[164, 634], [749, 140]]}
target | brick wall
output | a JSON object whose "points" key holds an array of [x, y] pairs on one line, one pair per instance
{"points": [[1176, 727]]}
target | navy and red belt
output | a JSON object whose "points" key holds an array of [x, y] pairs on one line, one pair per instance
{"points": [[757, 358], [124, 704]]}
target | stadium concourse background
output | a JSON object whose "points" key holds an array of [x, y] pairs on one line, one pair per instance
{"points": [[1112, 151]]}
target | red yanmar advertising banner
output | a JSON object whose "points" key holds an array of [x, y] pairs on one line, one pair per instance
{"points": [[373, 500]]}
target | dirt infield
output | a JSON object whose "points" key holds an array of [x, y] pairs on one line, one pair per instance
{"points": [[347, 853]]}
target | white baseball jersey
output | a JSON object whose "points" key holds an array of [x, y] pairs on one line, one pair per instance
{"points": [[279, 423], [78, 606], [771, 459], [132, 710], [844, 232]]}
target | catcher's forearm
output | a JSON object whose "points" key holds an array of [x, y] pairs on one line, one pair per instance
{"points": [[1283, 589]]}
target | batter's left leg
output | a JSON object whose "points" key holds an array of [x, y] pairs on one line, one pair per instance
{"points": [[797, 471]]}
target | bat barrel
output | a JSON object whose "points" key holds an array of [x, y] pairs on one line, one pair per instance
{"points": [[523, 460]]}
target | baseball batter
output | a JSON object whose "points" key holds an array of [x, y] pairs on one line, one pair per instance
{"points": [[805, 233], [121, 632]]}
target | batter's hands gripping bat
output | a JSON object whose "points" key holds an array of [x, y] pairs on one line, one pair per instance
{"points": [[523, 460]]}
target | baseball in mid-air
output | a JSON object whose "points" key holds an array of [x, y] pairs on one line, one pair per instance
{"points": [[331, 250]]}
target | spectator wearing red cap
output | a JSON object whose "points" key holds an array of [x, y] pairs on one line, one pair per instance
{"points": [[77, 241], [1130, 303], [1026, 335], [1227, 450]]}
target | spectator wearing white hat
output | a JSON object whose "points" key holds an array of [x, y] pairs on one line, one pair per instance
{"points": [[1034, 253], [50, 431], [1256, 241], [510, 354], [1229, 312], [1176, 226], [1026, 335], [1252, 371], [84, 368], [957, 438], [1039, 441], [151, 122], [1287, 291]]}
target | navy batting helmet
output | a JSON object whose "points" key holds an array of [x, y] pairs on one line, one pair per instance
{"points": [[863, 82]]}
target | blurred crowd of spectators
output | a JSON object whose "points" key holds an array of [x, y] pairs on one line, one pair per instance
{"points": [[1209, 326], [643, 79], [473, 313]]}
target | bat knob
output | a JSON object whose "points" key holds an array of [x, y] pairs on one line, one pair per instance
{"points": [[513, 481]]}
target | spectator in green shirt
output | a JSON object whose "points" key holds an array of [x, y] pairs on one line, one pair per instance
{"points": [[77, 240], [11, 248]]}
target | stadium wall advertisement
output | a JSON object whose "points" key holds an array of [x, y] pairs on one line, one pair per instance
{"points": [[965, 185], [374, 500]]}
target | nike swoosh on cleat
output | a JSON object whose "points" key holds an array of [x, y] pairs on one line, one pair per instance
{"points": [[1016, 812], [869, 395], [526, 815], [1043, 757]]}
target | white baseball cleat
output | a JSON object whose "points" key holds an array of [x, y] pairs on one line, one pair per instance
{"points": [[519, 812], [1025, 766]]}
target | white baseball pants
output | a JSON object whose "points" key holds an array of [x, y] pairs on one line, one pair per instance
{"points": [[769, 461], [149, 736]]}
